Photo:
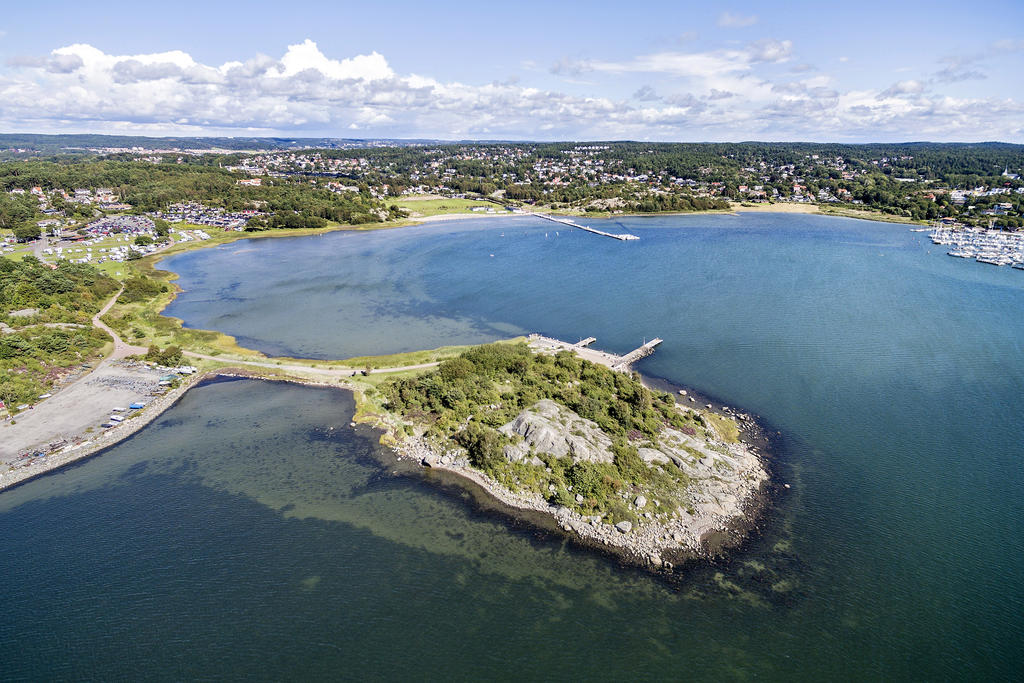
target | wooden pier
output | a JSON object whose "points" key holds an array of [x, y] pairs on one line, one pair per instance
{"points": [[565, 221], [581, 349], [638, 353]]}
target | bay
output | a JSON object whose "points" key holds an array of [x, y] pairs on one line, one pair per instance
{"points": [[891, 371]]}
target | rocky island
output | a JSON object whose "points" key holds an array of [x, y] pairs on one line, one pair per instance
{"points": [[615, 463]]}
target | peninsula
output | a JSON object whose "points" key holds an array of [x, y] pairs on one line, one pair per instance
{"points": [[615, 463]]}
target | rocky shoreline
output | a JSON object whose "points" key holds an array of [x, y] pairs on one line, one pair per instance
{"points": [[655, 545], [721, 517]]}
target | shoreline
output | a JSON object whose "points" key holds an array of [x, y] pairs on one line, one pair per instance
{"points": [[734, 209], [55, 461], [723, 513], [39, 466], [659, 547], [153, 261]]}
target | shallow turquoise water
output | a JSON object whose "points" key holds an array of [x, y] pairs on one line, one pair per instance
{"points": [[893, 374]]}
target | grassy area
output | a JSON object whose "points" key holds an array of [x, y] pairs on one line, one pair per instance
{"points": [[20, 252], [436, 207], [867, 215], [412, 357], [725, 426], [137, 314], [52, 334], [36, 358]]}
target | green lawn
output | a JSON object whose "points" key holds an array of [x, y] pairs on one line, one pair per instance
{"points": [[436, 207]]}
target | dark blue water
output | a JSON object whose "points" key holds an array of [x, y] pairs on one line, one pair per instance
{"points": [[894, 375]]}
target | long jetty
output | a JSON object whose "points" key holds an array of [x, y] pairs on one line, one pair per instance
{"points": [[573, 224]]}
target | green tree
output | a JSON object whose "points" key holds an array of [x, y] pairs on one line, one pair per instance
{"points": [[27, 232]]}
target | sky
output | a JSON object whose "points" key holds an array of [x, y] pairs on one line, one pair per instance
{"points": [[863, 71]]}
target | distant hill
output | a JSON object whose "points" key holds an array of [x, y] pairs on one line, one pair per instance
{"points": [[57, 144], [78, 143]]}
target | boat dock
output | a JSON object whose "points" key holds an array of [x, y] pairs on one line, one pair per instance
{"points": [[573, 224], [638, 353], [581, 349], [995, 247]]}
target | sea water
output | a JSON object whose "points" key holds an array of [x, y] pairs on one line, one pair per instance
{"points": [[250, 533]]}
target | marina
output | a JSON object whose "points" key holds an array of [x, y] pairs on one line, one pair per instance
{"points": [[994, 247]]}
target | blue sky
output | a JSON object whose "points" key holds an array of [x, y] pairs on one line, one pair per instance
{"points": [[846, 72]]}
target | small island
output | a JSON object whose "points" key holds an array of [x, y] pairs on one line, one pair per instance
{"points": [[617, 464]]}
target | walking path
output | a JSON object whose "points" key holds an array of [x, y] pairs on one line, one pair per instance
{"points": [[122, 349], [82, 403], [342, 371]]}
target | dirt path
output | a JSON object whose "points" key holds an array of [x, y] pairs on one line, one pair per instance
{"points": [[82, 403], [327, 372], [87, 401], [121, 348]]}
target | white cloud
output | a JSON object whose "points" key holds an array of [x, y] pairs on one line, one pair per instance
{"points": [[770, 50], [720, 94], [306, 56], [690, 64], [902, 88], [730, 20]]}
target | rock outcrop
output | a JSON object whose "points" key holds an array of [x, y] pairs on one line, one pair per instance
{"points": [[547, 427]]}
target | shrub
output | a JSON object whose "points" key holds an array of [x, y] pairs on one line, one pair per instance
{"points": [[483, 444], [628, 462]]}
